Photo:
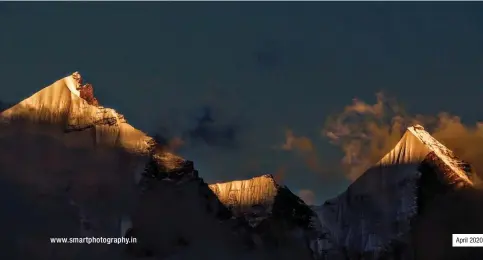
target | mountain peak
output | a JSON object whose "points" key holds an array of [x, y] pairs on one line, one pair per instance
{"points": [[77, 76], [68, 105], [391, 194]]}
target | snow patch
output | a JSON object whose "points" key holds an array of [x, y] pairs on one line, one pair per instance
{"points": [[73, 83]]}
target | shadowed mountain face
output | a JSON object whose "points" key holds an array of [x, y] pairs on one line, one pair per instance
{"points": [[458, 212], [445, 209], [182, 219]]}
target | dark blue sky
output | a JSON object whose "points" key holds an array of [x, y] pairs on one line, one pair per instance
{"points": [[232, 77]]}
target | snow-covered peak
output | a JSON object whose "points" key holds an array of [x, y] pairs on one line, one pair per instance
{"points": [[68, 106], [72, 165], [376, 210], [243, 195]]}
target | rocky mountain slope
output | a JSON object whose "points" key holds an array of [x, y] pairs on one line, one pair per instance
{"points": [[376, 217]]}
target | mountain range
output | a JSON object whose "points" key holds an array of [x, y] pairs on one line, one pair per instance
{"points": [[73, 168]]}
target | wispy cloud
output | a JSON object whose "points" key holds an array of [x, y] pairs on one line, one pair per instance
{"points": [[205, 130], [366, 132], [307, 196], [303, 147], [212, 132]]}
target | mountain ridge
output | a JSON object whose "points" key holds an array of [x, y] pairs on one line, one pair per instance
{"points": [[88, 162]]}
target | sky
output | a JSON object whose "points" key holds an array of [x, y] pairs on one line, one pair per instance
{"points": [[249, 86]]}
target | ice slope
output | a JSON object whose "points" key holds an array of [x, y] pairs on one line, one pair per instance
{"points": [[68, 169], [375, 211], [243, 196]]}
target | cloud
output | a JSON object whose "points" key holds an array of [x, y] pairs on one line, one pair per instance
{"points": [[465, 141], [206, 130], [307, 196], [366, 132], [172, 144], [279, 175], [304, 148], [298, 143], [211, 132]]}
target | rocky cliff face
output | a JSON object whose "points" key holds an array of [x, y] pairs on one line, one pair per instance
{"points": [[374, 218]]}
